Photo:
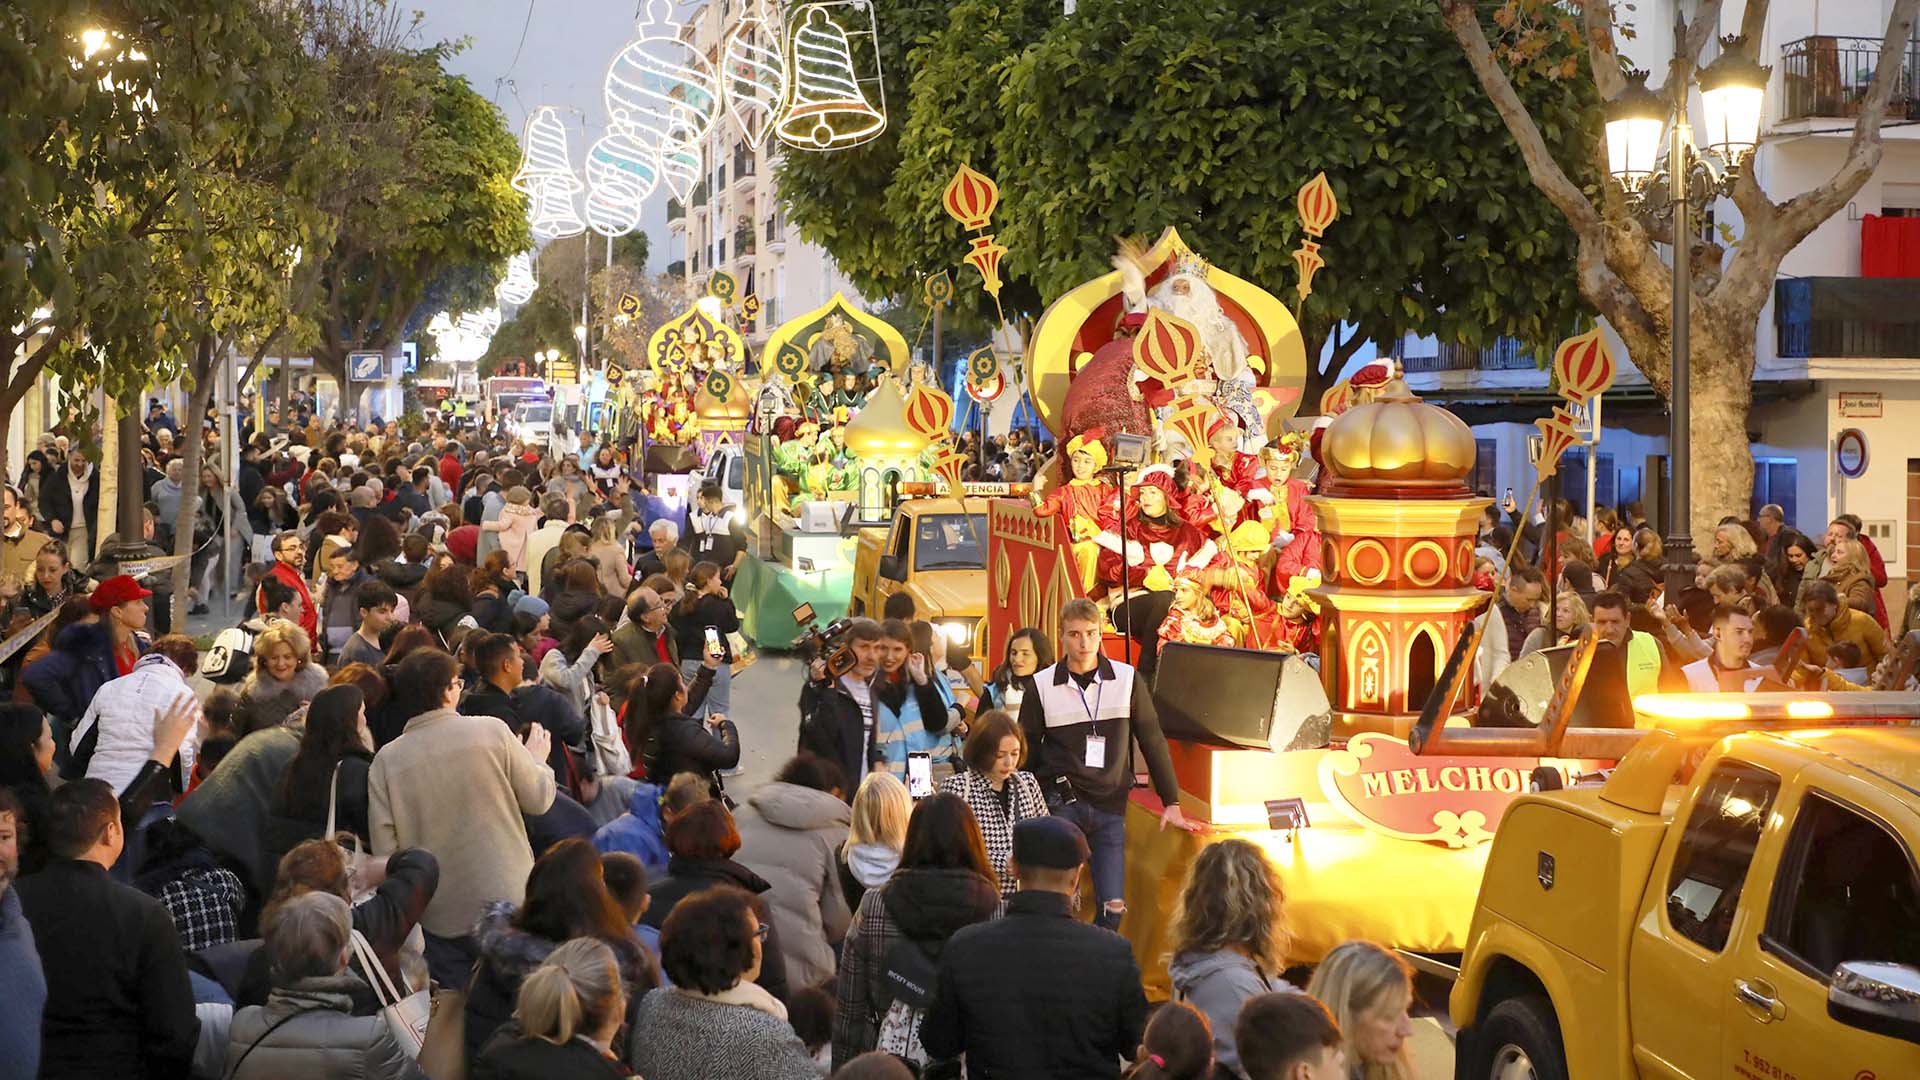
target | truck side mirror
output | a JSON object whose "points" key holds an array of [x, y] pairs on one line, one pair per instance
{"points": [[893, 568], [1877, 996]]}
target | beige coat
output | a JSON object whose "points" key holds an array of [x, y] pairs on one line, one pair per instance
{"points": [[457, 786]]}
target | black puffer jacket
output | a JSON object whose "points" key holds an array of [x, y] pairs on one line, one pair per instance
{"points": [[924, 906], [509, 954], [688, 876]]}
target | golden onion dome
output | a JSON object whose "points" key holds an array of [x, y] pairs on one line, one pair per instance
{"points": [[881, 429], [1395, 440]]}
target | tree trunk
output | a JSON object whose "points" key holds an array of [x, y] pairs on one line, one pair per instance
{"points": [[194, 452], [1722, 392]]}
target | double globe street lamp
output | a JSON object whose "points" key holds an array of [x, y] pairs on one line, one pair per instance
{"points": [[1640, 123]]}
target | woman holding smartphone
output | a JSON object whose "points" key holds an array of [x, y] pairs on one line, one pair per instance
{"points": [[701, 622], [910, 715]]}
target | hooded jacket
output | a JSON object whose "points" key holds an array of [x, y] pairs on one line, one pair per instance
{"points": [[866, 866], [924, 906], [788, 835], [1849, 623], [64, 681], [124, 711], [508, 954], [322, 1042], [688, 876], [638, 832], [1217, 983]]}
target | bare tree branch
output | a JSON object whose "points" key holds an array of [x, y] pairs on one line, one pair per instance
{"points": [[1753, 22], [1596, 17], [1462, 18], [1689, 40]]}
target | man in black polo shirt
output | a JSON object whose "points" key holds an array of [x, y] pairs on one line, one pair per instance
{"points": [[1081, 722]]}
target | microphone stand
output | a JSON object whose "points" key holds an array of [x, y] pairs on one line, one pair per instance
{"points": [[1119, 473]]}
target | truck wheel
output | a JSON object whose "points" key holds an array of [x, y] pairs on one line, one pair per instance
{"points": [[1520, 1040]]}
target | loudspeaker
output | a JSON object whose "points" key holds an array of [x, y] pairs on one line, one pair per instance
{"points": [[1519, 696], [670, 458], [1247, 698]]}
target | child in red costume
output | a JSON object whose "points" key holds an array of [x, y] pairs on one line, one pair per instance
{"points": [[1089, 501], [1233, 488], [1296, 530]]}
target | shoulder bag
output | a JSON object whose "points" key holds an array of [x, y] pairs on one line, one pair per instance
{"points": [[406, 1014]]}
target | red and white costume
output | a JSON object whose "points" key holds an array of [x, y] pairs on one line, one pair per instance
{"points": [[1091, 506], [1150, 545]]}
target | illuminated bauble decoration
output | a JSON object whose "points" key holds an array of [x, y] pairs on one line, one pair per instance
{"points": [[463, 340], [519, 284], [828, 107], [881, 430], [656, 76], [620, 175], [680, 161], [483, 323], [1395, 440], [754, 72], [546, 175]]}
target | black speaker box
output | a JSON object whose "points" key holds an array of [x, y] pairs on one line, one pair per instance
{"points": [[1246, 698]]}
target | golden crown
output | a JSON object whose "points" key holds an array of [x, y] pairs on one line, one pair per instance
{"points": [[1190, 263]]}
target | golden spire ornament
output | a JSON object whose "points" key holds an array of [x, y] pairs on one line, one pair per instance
{"points": [[1318, 207]]}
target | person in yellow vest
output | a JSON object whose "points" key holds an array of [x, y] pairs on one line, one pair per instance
{"points": [[1639, 649]]}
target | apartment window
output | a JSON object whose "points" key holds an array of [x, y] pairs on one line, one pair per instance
{"points": [[1486, 461], [1773, 482]]}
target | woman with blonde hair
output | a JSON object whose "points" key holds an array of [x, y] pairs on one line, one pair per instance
{"points": [[876, 836], [1229, 942], [567, 1013], [610, 556], [1571, 618], [1851, 574], [284, 677], [1368, 989], [1732, 541]]}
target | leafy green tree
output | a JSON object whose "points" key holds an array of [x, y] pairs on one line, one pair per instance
{"points": [[1133, 115]]}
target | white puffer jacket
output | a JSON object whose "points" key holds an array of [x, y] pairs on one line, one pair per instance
{"points": [[126, 710]]}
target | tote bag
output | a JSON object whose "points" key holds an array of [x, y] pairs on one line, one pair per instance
{"points": [[406, 1014]]}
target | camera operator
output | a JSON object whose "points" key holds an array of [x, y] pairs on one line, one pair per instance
{"points": [[836, 712]]}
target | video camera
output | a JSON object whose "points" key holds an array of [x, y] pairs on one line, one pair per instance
{"points": [[827, 643]]}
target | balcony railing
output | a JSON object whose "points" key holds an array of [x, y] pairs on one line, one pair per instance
{"points": [[676, 210], [1828, 76], [1861, 318], [699, 197], [743, 165], [1504, 355], [743, 240]]}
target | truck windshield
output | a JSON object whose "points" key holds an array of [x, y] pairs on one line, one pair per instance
{"points": [[950, 542], [536, 414]]}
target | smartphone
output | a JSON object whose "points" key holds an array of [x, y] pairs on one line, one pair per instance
{"points": [[1509, 495], [713, 640], [919, 774]]}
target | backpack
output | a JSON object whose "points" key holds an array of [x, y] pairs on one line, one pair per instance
{"points": [[908, 972], [230, 657]]}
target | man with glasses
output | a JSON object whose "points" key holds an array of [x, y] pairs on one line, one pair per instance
{"points": [[643, 638], [289, 556]]}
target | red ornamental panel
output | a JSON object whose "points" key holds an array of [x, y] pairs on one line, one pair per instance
{"points": [[1165, 348], [1556, 436], [1584, 366], [929, 411], [1407, 562], [970, 198]]}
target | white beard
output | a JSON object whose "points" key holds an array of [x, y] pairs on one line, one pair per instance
{"points": [[1220, 339]]}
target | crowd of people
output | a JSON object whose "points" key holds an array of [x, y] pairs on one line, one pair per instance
{"points": [[1754, 582], [451, 800]]}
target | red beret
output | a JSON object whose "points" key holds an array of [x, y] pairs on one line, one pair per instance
{"points": [[116, 591]]}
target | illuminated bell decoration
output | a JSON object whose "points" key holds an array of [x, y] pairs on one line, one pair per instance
{"points": [[1167, 349], [970, 198], [546, 175], [519, 284], [929, 412], [1584, 366], [754, 72], [620, 175], [827, 108], [658, 81], [881, 430], [1396, 441]]}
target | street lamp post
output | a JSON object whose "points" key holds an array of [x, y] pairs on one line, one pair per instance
{"points": [[1732, 92]]}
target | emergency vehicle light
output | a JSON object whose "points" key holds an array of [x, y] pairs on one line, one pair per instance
{"points": [[1856, 707]]}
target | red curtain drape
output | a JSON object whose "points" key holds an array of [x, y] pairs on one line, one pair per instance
{"points": [[1890, 246]]}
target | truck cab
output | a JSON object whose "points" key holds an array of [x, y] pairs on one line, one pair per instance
{"points": [[935, 549], [1758, 918]]}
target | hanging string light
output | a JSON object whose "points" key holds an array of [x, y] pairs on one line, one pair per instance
{"points": [[546, 175], [620, 175], [657, 76], [754, 74]]}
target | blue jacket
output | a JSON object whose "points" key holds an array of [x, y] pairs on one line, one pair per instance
{"points": [[638, 832], [919, 725], [23, 986], [64, 681]]}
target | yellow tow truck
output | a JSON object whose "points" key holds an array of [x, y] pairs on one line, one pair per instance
{"points": [[1738, 900], [935, 550]]}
